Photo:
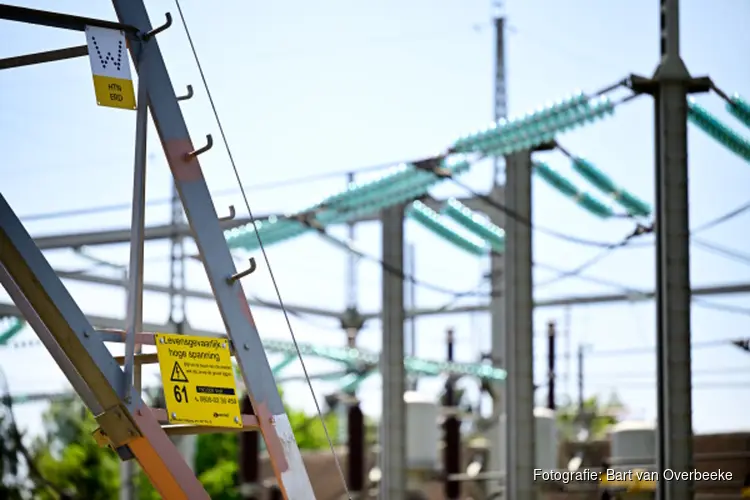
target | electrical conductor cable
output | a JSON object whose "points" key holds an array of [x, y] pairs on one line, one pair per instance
{"points": [[262, 248]]}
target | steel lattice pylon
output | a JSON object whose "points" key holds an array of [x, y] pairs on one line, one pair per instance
{"points": [[127, 424]]}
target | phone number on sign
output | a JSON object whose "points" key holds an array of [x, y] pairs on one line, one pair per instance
{"points": [[224, 400]]}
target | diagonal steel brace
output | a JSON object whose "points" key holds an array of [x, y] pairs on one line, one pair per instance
{"points": [[32, 282]]}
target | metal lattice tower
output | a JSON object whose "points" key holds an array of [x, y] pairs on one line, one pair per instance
{"points": [[127, 424], [500, 84]]}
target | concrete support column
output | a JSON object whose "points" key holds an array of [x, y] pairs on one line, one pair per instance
{"points": [[393, 423], [519, 328]]}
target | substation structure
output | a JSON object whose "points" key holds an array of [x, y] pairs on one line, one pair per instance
{"points": [[136, 431]]}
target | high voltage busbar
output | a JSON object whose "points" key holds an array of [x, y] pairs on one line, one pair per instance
{"points": [[409, 181]]}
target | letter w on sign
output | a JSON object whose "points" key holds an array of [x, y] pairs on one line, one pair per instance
{"points": [[110, 67]]}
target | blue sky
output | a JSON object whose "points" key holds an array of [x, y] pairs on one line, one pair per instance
{"points": [[308, 88]]}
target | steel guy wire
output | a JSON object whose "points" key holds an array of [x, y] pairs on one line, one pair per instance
{"points": [[721, 219], [727, 253], [385, 266], [262, 248], [577, 271]]}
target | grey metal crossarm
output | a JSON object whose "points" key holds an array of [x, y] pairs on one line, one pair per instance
{"points": [[59, 20]]}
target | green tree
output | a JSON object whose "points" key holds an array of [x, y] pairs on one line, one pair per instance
{"points": [[597, 416], [9, 460], [68, 457]]}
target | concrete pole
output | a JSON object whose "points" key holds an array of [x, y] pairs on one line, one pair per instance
{"points": [[675, 429], [670, 87], [393, 420], [519, 328]]}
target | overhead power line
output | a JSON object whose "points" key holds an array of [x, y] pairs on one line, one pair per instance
{"points": [[476, 292], [722, 307], [392, 270], [649, 349], [543, 230], [435, 168], [101, 209], [563, 274], [728, 253], [628, 241], [577, 272], [385, 266], [735, 370], [696, 386], [723, 218]]}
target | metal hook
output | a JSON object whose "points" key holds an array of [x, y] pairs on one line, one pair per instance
{"points": [[188, 95], [161, 28], [209, 145], [242, 274], [232, 213]]}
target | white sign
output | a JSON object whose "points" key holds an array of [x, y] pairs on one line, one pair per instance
{"points": [[110, 67]]}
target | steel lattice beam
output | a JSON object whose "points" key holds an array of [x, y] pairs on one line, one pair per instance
{"points": [[197, 294], [93, 370], [581, 300]]}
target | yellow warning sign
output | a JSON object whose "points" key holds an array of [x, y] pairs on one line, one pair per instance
{"points": [[108, 55], [198, 379]]}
